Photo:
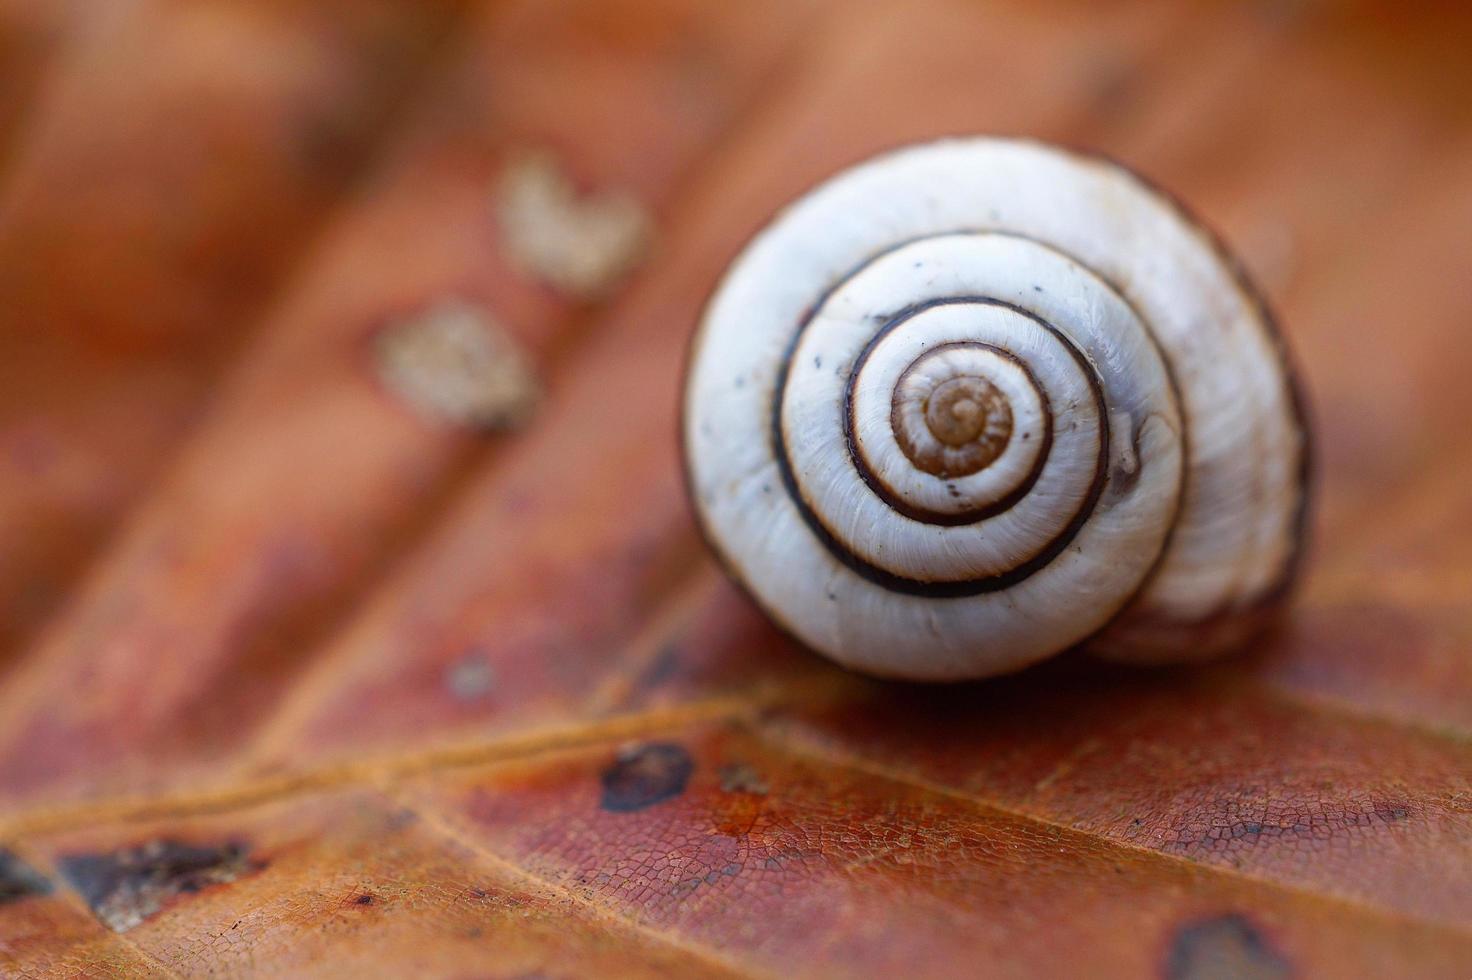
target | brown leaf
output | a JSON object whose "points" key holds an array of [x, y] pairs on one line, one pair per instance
{"points": [[338, 677]]}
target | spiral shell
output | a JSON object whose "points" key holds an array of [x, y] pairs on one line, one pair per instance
{"points": [[973, 402]]}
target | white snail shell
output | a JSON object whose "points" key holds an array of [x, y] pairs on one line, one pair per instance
{"points": [[974, 402]]}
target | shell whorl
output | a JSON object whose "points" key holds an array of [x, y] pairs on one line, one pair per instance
{"points": [[950, 412]]}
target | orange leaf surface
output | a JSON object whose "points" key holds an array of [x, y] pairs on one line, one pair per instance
{"points": [[352, 620]]}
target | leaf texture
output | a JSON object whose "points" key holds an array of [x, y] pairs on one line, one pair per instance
{"points": [[303, 675]]}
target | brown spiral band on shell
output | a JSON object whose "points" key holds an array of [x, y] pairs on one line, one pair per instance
{"points": [[940, 588], [887, 493]]}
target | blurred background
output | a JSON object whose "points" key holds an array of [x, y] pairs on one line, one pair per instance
{"points": [[340, 340]]}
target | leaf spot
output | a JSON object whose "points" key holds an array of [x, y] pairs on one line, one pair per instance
{"points": [[1222, 947], [644, 775], [19, 880], [124, 888]]}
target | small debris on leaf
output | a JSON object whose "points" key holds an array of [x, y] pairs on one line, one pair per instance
{"points": [[454, 363], [581, 246], [471, 677]]}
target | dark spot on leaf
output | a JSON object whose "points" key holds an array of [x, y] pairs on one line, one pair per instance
{"points": [[19, 880], [1227, 946], [125, 887], [363, 899], [644, 775]]}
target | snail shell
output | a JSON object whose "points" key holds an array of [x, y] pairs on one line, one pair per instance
{"points": [[974, 402]]}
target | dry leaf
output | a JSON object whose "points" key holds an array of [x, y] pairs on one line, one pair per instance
{"points": [[322, 690]]}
